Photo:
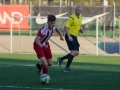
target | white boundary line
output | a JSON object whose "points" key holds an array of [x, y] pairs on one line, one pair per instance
{"points": [[7, 65], [33, 88], [23, 87]]}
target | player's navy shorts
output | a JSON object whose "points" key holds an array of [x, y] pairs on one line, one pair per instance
{"points": [[72, 45]]}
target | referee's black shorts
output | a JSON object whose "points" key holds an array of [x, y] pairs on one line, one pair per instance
{"points": [[72, 45]]}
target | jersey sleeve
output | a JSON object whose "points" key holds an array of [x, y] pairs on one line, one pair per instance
{"points": [[69, 22], [41, 32]]}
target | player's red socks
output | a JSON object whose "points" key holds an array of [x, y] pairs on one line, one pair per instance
{"points": [[45, 70], [40, 67]]}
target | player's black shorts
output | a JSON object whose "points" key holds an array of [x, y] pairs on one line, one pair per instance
{"points": [[72, 45]]}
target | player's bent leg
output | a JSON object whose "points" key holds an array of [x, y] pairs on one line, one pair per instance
{"points": [[67, 70], [45, 65], [39, 66], [74, 52], [71, 56], [49, 62], [59, 61], [44, 61]]}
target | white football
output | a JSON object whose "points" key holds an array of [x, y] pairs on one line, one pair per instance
{"points": [[45, 79]]}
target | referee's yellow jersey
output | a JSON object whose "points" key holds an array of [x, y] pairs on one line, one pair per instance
{"points": [[74, 24]]}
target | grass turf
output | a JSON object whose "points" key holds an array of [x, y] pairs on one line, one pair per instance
{"points": [[18, 72]]}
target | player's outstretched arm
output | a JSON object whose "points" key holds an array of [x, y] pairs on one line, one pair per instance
{"points": [[68, 34], [37, 40], [61, 37]]}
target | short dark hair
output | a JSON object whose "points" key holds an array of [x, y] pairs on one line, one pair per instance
{"points": [[51, 18]]}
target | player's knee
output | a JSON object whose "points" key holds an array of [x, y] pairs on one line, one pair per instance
{"points": [[45, 65], [49, 64], [76, 53]]}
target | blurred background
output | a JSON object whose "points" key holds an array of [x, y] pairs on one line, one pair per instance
{"points": [[20, 21]]}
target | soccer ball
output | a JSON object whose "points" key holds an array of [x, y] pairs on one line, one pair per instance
{"points": [[45, 79]]}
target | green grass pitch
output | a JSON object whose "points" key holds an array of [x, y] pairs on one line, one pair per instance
{"points": [[18, 72]]}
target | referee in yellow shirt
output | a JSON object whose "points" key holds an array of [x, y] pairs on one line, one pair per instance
{"points": [[72, 29]]}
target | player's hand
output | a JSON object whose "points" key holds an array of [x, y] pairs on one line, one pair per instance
{"points": [[81, 31], [45, 46], [61, 38], [70, 38]]}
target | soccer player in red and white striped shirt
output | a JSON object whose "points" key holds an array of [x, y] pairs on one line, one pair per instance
{"points": [[41, 44]]}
